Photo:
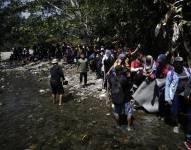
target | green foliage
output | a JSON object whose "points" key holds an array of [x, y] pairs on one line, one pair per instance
{"points": [[76, 21]]}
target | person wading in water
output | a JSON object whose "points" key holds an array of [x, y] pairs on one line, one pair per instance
{"points": [[57, 77]]}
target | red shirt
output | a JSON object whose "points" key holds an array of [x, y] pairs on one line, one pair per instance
{"points": [[136, 64]]}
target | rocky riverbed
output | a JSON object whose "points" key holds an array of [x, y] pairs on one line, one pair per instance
{"points": [[29, 120]]}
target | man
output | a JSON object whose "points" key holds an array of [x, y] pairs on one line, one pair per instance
{"points": [[107, 63], [177, 83], [162, 69], [149, 70], [98, 62], [83, 68], [120, 93], [57, 76], [125, 81], [117, 93], [137, 70]]}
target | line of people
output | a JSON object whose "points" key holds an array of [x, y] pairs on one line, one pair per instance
{"points": [[174, 99], [123, 71]]}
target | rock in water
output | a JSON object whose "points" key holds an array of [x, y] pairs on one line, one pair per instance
{"points": [[2, 79], [94, 122], [41, 91], [103, 95], [108, 114]]}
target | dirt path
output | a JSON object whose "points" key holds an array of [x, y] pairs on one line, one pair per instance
{"points": [[28, 119]]}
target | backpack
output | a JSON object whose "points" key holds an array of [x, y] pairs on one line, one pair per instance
{"points": [[108, 63], [117, 93]]}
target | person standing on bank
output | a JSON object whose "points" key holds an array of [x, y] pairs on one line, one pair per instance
{"points": [[83, 69], [57, 77]]}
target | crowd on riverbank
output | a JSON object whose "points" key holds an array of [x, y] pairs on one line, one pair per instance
{"points": [[123, 71]]}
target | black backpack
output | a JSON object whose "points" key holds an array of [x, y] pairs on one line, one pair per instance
{"points": [[117, 92], [108, 63]]}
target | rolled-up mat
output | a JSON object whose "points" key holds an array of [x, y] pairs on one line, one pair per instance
{"points": [[147, 95]]}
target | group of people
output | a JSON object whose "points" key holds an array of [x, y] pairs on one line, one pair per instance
{"points": [[126, 76], [48, 51], [40, 52], [123, 71]]}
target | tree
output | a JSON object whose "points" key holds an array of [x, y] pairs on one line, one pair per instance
{"points": [[87, 21]]}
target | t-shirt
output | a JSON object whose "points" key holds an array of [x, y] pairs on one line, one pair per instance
{"points": [[136, 64], [83, 64], [56, 73]]}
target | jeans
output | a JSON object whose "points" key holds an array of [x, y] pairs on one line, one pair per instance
{"points": [[162, 109], [83, 75], [178, 107]]}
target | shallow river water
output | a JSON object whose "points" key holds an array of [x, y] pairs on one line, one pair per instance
{"points": [[29, 121]]}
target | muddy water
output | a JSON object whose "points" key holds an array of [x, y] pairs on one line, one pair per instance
{"points": [[29, 120]]}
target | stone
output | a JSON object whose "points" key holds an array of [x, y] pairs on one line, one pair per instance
{"points": [[94, 122], [32, 147], [47, 90], [79, 101], [108, 114], [40, 119], [41, 91], [2, 79], [82, 94], [83, 98], [104, 95], [90, 124], [30, 116]]}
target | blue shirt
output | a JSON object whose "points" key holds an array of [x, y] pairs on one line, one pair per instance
{"points": [[171, 85]]}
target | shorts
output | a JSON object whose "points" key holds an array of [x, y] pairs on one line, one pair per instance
{"points": [[57, 87], [128, 110]]}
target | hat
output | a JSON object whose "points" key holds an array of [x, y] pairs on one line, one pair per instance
{"points": [[161, 58], [108, 52], [54, 61], [121, 56], [178, 59], [178, 17]]}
